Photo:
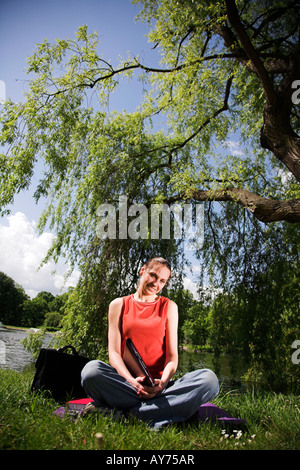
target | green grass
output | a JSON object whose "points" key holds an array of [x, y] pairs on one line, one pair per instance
{"points": [[27, 423]]}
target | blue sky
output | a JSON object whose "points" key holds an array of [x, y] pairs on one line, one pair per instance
{"points": [[23, 24]]}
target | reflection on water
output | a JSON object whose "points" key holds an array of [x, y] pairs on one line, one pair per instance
{"points": [[189, 361], [14, 356], [12, 353]]}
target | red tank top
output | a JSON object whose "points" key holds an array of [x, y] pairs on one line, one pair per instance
{"points": [[145, 324]]}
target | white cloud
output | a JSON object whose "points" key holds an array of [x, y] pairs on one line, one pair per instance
{"points": [[286, 176], [191, 279], [234, 147], [21, 251], [190, 285]]}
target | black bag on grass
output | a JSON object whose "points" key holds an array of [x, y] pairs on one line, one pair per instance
{"points": [[59, 373]]}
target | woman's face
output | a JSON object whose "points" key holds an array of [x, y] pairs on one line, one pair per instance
{"points": [[153, 279]]}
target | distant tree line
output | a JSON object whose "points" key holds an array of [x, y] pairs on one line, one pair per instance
{"points": [[17, 309]]}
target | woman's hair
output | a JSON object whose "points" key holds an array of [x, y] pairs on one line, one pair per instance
{"points": [[158, 259]]}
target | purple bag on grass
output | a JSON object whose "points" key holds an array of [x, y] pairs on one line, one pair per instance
{"points": [[211, 412]]}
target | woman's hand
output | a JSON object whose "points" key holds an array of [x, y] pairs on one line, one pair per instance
{"points": [[146, 392], [137, 383]]}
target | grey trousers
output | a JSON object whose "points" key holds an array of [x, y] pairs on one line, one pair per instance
{"points": [[176, 403]]}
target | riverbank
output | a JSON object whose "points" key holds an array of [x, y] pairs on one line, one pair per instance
{"points": [[27, 423], [26, 328]]}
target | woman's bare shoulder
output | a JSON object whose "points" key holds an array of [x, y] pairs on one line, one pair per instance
{"points": [[116, 302], [172, 304], [115, 305], [172, 308]]}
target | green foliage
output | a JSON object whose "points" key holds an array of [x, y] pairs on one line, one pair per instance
{"points": [[184, 300], [84, 324], [34, 312], [90, 156], [260, 315], [52, 319], [12, 298], [18, 309], [201, 100], [34, 340], [196, 327]]}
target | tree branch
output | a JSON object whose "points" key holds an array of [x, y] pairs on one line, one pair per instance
{"points": [[264, 209], [234, 19], [208, 120]]}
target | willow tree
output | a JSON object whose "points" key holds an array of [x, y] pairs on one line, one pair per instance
{"points": [[227, 70]]}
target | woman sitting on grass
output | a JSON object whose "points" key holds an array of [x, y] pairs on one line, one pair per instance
{"points": [[151, 321]]}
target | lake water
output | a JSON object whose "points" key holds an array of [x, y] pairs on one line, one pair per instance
{"points": [[14, 356], [205, 360], [12, 353]]}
